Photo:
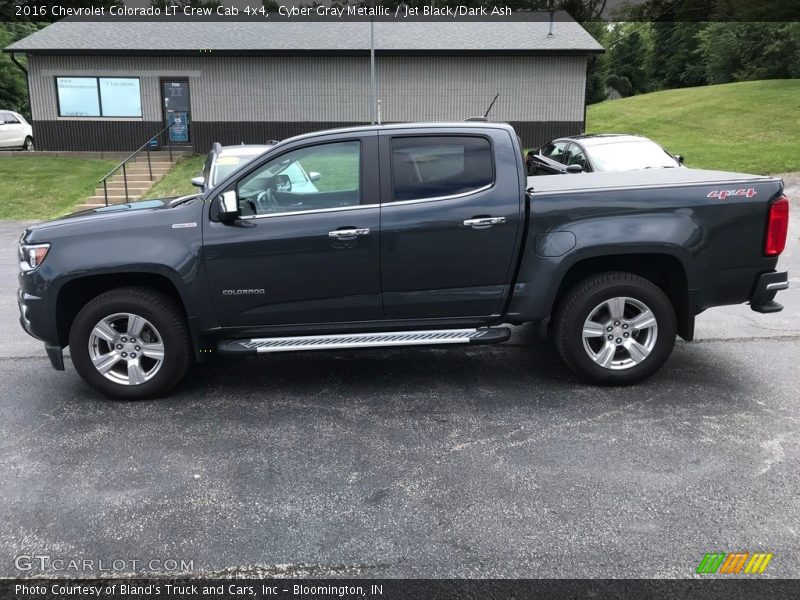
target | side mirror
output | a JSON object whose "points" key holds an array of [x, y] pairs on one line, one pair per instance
{"points": [[574, 169], [198, 181], [314, 176], [283, 183], [679, 158], [227, 206]]}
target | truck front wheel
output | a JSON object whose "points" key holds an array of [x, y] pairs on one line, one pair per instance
{"points": [[131, 343], [615, 328]]}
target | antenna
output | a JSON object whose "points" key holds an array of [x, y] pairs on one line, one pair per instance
{"points": [[486, 114]]}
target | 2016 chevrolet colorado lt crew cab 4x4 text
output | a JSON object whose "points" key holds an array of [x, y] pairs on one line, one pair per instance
{"points": [[412, 235]]}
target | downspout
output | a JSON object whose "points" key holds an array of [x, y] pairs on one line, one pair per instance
{"points": [[585, 87], [13, 57]]}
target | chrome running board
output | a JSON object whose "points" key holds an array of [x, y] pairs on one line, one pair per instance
{"points": [[342, 341]]}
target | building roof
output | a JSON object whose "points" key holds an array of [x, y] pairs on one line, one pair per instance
{"points": [[181, 37]]}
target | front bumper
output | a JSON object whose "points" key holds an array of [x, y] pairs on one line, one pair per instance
{"points": [[762, 299]]}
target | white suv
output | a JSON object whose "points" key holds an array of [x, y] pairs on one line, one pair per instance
{"points": [[15, 132]]}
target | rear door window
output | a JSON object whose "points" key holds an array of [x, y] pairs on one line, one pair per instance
{"points": [[577, 157], [556, 151], [440, 166]]}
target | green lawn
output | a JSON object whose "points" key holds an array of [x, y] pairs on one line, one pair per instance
{"points": [[751, 127], [43, 188], [339, 171], [178, 181]]}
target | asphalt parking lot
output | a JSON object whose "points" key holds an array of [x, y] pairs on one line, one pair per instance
{"points": [[485, 462]]}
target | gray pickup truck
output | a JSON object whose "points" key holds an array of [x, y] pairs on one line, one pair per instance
{"points": [[411, 235]]}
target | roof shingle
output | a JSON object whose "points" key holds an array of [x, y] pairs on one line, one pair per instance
{"points": [[310, 36]]}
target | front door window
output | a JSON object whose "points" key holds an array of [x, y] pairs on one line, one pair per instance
{"points": [[319, 177]]}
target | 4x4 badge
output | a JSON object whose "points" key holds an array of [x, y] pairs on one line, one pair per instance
{"points": [[722, 194]]}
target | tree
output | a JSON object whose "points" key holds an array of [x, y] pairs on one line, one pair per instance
{"points": [[674, 60], [749, 51], [628, 49], [13, 85]]}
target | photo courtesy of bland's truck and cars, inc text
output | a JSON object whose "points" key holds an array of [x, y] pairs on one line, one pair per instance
{"points": [[399, 299]]}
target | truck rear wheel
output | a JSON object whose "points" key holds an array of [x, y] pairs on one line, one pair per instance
{"points": [[131, 343], [615, 328]]}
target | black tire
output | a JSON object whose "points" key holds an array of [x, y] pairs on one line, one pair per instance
{"points": [[169, 323], [27, 145], [581, 302]]}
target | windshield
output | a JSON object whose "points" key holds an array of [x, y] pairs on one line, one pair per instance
{"points": [[623, 156], [225, 165]]}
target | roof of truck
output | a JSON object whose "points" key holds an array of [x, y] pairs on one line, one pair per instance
{"points": [[393, 126]]}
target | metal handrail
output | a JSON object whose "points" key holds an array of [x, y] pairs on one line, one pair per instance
{"points": [[123, 164]]}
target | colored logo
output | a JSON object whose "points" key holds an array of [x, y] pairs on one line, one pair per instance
{"points": [[722, 194], [734, 562]]}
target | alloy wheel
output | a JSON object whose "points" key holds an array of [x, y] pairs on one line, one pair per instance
{"points": [[126, 348], [620, 333]]}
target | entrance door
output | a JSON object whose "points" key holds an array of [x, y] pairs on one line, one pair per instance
{"points": [[177, 111]]}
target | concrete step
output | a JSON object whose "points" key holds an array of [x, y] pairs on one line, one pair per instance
{"points": [[138, 178], [119, 193], [135, 177], [112, 199], [161, 160], [142, 168], [131, 185]]}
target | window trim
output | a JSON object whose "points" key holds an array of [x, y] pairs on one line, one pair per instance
{"points": [[391, 201], [308, 212], [358, 140], [97, 79]]}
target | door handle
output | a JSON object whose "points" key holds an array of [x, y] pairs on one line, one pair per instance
{"points": [[479, 222], [348, 233]]}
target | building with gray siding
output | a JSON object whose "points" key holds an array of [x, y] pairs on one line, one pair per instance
{"points": [[110, 85]]}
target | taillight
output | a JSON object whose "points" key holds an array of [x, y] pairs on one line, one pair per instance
{"points": [[777, 226]]}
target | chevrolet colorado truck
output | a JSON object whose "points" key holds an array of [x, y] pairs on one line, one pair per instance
{"points": [[411, 235]]}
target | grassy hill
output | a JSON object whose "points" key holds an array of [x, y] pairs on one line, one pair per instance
{"points": [[750, 127]]}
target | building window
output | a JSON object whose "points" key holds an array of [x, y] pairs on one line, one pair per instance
{"points": [[439, 166], [99, 97]]}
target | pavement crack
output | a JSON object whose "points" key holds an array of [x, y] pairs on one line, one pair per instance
{"points": [[771, 338], [299, 570]]}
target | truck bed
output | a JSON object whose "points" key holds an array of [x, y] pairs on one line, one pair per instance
{"points": [[644, 178]]}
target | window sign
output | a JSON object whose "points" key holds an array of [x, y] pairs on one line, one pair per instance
{"points": [[179, 127], [99, 97], [77, 97], [120, 97]]}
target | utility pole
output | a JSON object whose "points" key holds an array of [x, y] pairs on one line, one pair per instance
{"points": [[372, 92]]}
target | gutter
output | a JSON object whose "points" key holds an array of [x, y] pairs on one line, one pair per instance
{"points": [[314, 52], [14, 59], [13, 56]]}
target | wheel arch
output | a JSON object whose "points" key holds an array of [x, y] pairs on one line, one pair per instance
{"points": [[662, 269], [76, 293]]}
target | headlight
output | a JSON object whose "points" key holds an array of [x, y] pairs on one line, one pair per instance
{"points": [[32, 255]]}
